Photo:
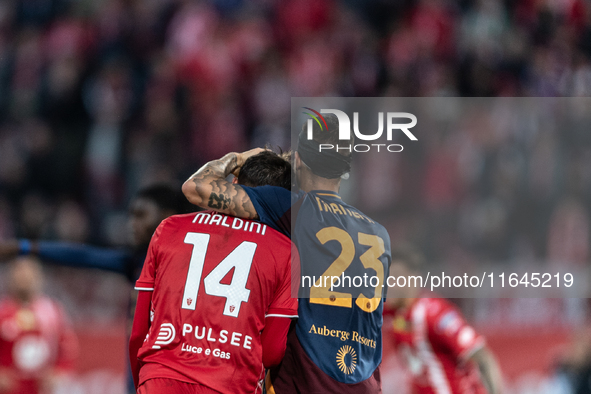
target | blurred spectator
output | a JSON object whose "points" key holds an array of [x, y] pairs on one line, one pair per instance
{"points": [[568, 235], [71, 222], [37, 344]]}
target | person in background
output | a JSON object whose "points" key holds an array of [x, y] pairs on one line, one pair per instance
{"points": [[150, 206], [443, 353], [37, 343]]}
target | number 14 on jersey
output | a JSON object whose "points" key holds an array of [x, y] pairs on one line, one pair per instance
{"points": [[236, 292]]}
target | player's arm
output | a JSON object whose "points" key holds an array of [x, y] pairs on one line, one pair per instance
{"points": [[209, 189], [68, 254], [141, 319], [489, 370], [282, 309], [139, 330], [449, 328], [274, 339]]}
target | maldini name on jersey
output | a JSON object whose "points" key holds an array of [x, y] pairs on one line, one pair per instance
{"points": [[235, 223]]}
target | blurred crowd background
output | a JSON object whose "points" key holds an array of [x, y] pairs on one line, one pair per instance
{"points": [[101, 97], [500, 181], [98, 98]]}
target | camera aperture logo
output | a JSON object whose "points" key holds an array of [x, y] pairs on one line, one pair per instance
{"points": [[392, 124]]}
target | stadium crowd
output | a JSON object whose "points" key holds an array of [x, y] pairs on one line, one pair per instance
{"points": [[98, 98]]}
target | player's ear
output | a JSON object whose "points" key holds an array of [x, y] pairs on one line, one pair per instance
{"points": [[297, 160], [235, 180]]}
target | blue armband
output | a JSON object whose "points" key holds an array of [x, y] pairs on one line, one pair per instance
{"points": [[24, 247]]}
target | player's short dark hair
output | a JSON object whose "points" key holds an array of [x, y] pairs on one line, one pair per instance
{"points": [[266, 168], [167, 197], [409, 256]]}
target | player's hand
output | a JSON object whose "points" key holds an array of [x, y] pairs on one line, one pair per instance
{"points": [[242, 157], [8, 249]]}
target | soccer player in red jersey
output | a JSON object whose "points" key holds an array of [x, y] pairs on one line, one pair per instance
{"points": [[443, 353], [37, 344], [214, 301]]}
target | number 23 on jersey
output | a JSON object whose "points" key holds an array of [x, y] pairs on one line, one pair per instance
{"points": [[320, 294]]}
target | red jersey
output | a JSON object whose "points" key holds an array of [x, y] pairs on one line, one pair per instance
{"points": [[215, 278], [34, 339], [436, 342]]}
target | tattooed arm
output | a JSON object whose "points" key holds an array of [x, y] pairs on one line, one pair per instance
{"points": [[208, 187]]}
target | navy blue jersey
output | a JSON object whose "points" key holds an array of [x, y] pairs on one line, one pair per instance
{"points": [[339, 328]]}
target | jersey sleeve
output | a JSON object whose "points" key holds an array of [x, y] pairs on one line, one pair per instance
{"points": [[84, 256], [146, 280], [273, 206], [449, 328], [283, 304], [274, 340], [139, 332]]}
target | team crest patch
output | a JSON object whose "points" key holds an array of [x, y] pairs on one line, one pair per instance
{"points": [[189, 301], [347, 359], [232, 307]]}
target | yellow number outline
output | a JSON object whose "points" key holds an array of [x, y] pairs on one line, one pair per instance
{"points": [[320, 293], [370, 259]]}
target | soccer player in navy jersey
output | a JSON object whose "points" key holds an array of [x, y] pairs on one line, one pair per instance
{"points": [[336, 344], [214, 301]]}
